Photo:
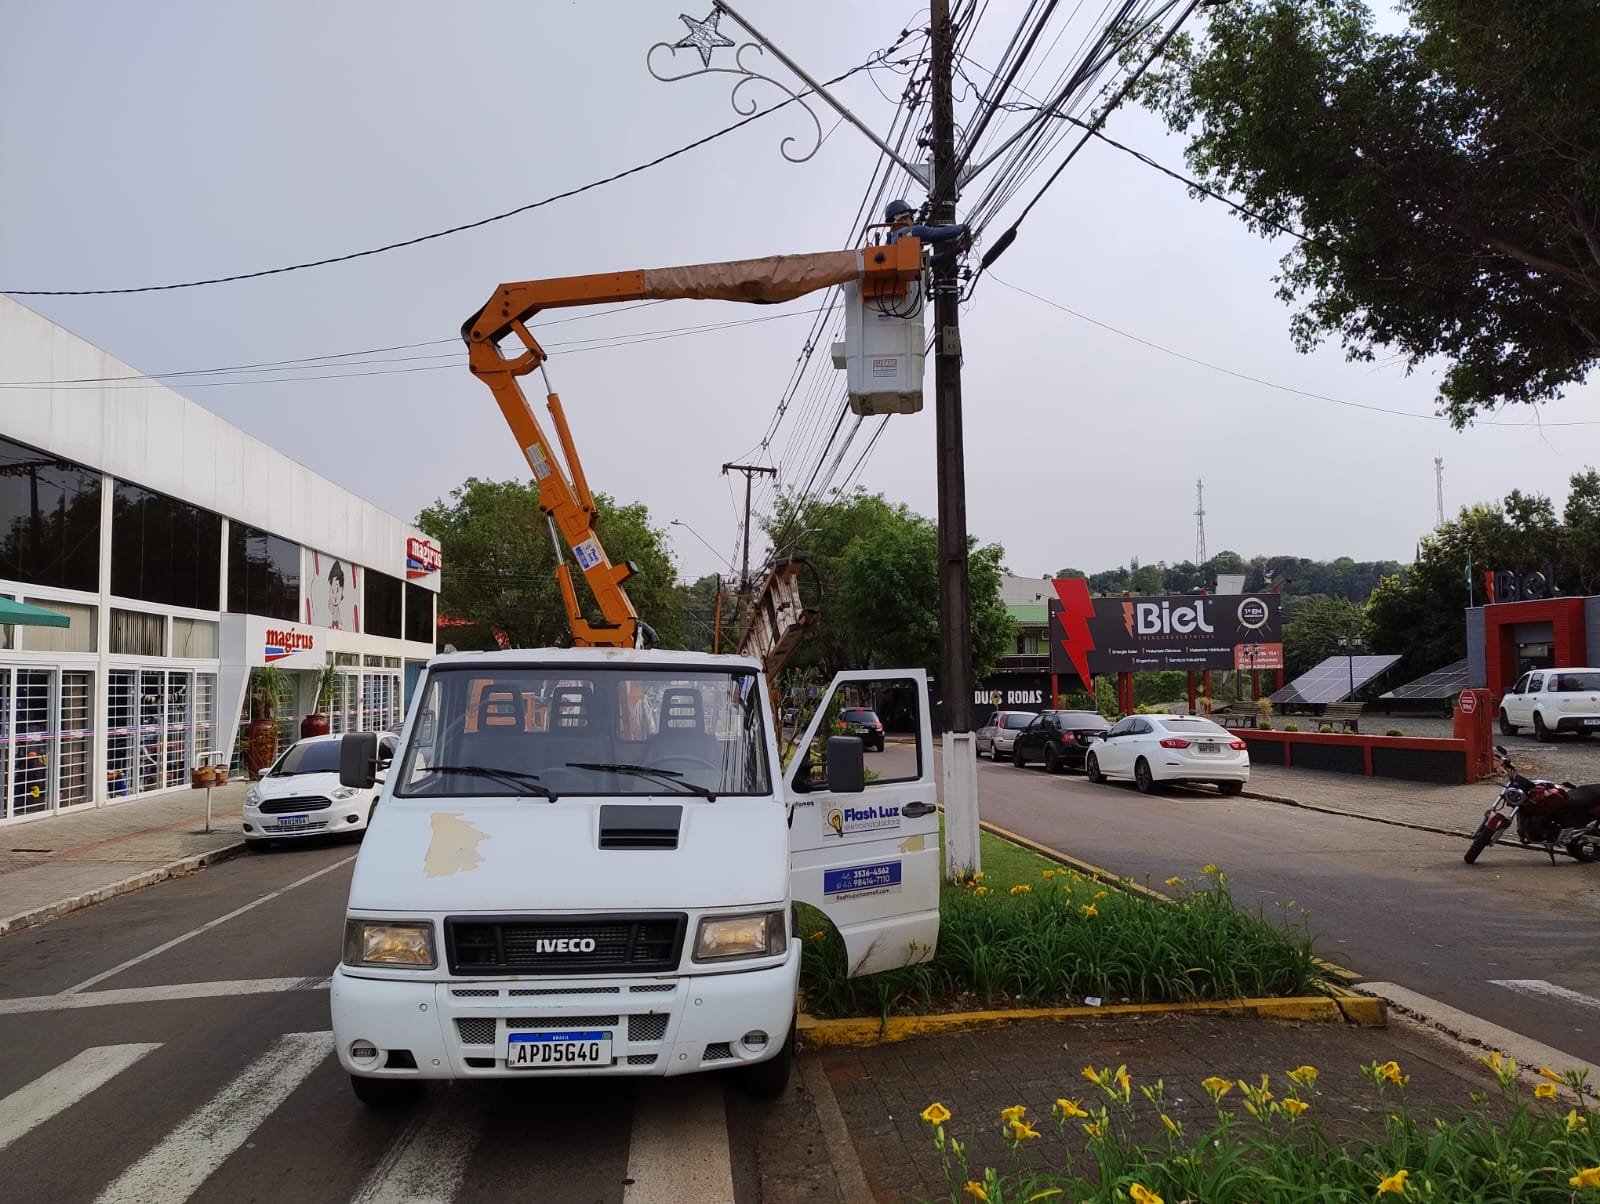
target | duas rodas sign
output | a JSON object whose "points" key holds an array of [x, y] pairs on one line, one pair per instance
{"points": [[1090, 635]]}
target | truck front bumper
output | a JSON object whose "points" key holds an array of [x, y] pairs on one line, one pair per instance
{"points": [[658, 1026]]}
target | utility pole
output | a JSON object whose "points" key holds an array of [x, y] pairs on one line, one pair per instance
{"points": [[751, 471], [955, 609], [1438, 487]]}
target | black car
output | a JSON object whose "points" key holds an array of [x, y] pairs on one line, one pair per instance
{"points": [[859, 721], [1060, 739]]}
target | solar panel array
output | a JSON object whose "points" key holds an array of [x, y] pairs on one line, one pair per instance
{"points": [[1330, 681], [1438, 685]]}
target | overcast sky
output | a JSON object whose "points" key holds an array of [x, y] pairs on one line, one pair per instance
{"points": [[166, 141]]}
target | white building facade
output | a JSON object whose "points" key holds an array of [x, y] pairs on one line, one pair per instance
{"points": [[186, 554]]}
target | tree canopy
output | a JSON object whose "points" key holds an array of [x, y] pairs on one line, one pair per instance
{"points": [[1445, 178], [877, 583], [499, 567]]}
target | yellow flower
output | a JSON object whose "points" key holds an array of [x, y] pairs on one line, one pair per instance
{"points": [[1140, 1194], [1574, 1121], [1015, 1112], [1093, 1130], [1021, 1129], [1089, 909], [1306, 1076], [1394, 1185], [1100, 895], [1546, 1073], [979, 876], [982, 890], [1389, 1072], [1049, 873], [1069, 1108], [1124, 1082], [936, 1113], [1209, 869], [1493, 1060], [1545, 1091], [1172, 1126], [816, 936], [1588, 1176], [1174, 881], [1217, 1088], [975, 1188], [1021, 888], [1294, 1107], [1094, 1076]]}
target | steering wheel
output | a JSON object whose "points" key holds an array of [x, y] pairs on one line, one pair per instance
{"points": [[679, 762]]}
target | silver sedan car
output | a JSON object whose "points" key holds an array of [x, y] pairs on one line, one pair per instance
{"points": [[1000, 730]]}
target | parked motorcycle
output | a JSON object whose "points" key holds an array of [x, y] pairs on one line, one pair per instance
{"points": [[1554, 815]]}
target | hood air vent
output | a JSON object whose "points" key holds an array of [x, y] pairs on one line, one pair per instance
{"points": [[633, 826]]}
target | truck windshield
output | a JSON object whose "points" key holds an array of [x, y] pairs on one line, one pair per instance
{"points": [[570, 726]]}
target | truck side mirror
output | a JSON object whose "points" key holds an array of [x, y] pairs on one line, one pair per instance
{"points": [[358, 760], [847, 771]]}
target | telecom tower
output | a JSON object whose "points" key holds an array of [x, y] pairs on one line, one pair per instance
{"points": [[1199, 522], [1438, 486]]}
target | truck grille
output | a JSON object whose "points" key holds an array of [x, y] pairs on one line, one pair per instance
{"points": [[588, 944]]}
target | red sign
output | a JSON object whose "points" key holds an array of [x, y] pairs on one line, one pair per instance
{"points": [[423, 557], [279, 644], [1468, 702]]}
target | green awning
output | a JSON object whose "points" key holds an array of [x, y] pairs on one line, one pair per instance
{"points": [[30, 616]]}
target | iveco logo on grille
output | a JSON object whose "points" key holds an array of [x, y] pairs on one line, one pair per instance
{"points": [[576, 944]]}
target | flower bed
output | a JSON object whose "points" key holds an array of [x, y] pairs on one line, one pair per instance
{"points": [[1034, 934], [1259, 1146]]}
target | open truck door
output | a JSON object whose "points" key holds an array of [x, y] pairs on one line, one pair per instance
{"points": [[866, 852]]}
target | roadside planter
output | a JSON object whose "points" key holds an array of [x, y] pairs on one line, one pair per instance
{"points": [[1407, 757]]}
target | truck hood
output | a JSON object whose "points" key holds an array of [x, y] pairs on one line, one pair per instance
{"points": [[511, 855]]}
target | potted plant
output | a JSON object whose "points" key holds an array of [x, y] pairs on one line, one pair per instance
{"points": [[327, 685], [267, 685], [1264, 712]]}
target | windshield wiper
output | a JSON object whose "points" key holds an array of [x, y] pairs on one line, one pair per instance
{"points": [[671, 776], [511, 777]]}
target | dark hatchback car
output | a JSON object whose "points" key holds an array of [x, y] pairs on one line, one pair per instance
{"points": [[859, 721], [1060, 739]]}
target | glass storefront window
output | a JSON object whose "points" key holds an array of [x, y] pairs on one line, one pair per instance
{"points": [[384, 604], [263, 574], [164, 550], [46, 740], [419, 614], [195, 639], [49, 520], [134, 633], [80, 637]]}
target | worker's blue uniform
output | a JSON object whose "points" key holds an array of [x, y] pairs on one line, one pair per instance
{"points": [[932, 235]]}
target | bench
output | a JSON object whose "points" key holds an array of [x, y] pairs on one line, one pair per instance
{"points": [[1234, 711], [1344, 714]]}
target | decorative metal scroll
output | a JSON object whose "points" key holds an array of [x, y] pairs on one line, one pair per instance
{"points": [[705, 38]]}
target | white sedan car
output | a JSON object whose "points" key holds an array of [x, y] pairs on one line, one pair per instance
{"points": [[301, 795], [1156, 749]]}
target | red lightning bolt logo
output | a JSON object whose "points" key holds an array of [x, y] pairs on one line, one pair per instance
{"points": [[1076, 608]]}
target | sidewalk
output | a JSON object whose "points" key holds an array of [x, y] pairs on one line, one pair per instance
{"points": [[1452, 810], [52, 866]]}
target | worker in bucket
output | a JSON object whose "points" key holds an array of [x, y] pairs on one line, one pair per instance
{"points": [[902, 219]]}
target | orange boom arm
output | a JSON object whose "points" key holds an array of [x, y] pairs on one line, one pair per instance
{"points": [[884, 272]]}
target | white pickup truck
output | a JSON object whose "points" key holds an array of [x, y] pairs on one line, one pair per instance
{"points": [[585, 862]]}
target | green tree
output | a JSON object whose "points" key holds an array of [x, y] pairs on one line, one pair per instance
{"points": [[1312, 630], [1446, 177], [877, 585], [499, 568]]}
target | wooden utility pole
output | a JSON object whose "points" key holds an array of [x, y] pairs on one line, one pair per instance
{"points": [[751, 471]]}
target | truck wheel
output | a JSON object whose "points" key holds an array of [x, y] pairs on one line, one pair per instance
{"points": [[767, 1080], [385, 1093]]}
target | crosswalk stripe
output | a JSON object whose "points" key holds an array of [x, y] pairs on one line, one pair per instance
{"points": [[428, 1161], [1538, 986], [119, 996], [57, 1090], [679, 1153], [188, 1155]]}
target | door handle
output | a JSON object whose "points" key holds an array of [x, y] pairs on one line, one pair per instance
{"points": [[917, 810]]}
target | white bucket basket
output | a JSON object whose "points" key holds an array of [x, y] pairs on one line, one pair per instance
{"points": [[882, 353]]}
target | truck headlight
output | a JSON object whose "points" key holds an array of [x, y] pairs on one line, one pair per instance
{"points": [[382, 943], [761, 934]]}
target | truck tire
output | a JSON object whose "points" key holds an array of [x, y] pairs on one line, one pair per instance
{"points": [[767, 1080]]}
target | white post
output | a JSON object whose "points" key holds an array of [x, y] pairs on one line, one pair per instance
{"points": [[960, 764]]}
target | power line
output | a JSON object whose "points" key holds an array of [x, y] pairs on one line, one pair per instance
{"points": [[457, 229], [1256, 380]]}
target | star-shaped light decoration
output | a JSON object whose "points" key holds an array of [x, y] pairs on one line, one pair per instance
{"points": [[704, 35]]}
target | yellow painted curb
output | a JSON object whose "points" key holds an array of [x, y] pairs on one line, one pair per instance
{"points": [[835, 1034], [1127, 884]]}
